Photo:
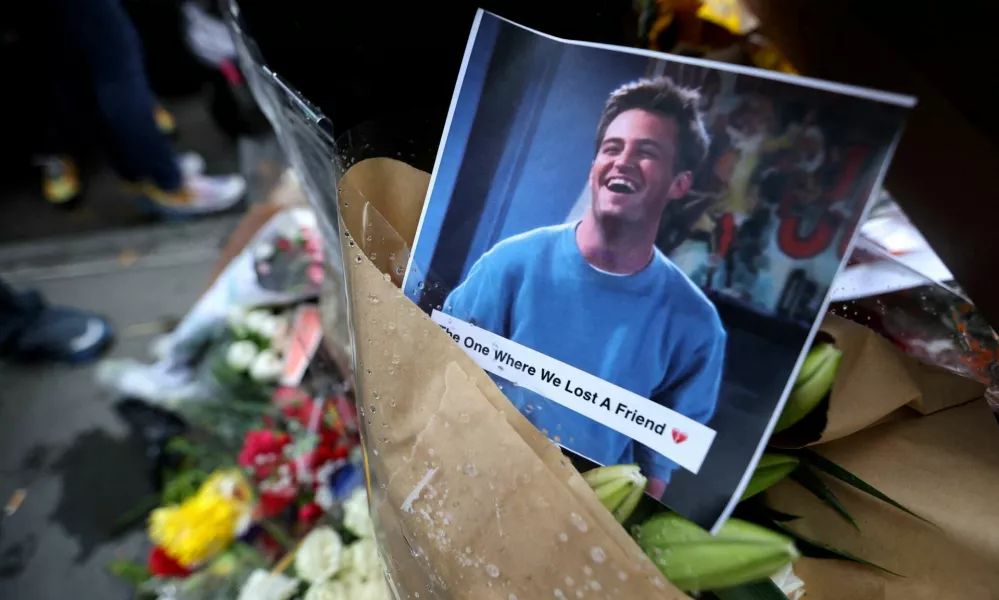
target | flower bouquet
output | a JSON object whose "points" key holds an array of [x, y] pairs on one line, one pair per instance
{"points": [[460, 480]]}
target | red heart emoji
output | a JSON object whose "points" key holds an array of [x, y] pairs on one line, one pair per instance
{"points": [[678, 436]]}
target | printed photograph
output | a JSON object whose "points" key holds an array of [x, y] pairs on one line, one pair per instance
{"points": [[669, 226]]}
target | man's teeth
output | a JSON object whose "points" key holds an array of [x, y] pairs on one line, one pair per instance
{"points": [[619, 184]]}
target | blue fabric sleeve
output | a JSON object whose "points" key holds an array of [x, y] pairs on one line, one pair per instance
{"points": [[483, 298], [692, 392]]}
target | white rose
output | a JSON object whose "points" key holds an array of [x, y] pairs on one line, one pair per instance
{"points": [[255, 319], [263, 585], [241, 355], [362, 559], [320, 555], [356, 517], [273, 329], [236, 320], [789, 583], [329, 590], [266, 367]]}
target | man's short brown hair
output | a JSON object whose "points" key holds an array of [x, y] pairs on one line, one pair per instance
{"points": [[660, 95]]}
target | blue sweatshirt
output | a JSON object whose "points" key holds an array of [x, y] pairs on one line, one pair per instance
{"points": [[653, 333]]}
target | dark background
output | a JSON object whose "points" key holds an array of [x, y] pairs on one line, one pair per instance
{"points": [[519, 149]]}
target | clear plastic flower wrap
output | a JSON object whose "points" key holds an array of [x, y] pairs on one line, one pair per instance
{"points": [[909, 297]]}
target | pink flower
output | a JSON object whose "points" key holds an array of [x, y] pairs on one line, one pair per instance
{"points": [[315, 273]]}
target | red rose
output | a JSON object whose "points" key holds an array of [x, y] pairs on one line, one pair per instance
{"points": [[283, 244], [309, 513], [275, 501], [263, 451], [161, 565]]}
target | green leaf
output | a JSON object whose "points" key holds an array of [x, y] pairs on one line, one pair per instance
{"points": [[765, 589], [827, 466], [772, 468], [815, 549], [756, 511], [133, 573], [813, 484]]}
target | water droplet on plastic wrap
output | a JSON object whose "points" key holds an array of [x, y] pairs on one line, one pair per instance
{"points": [[559, 594], [357, 259], [392, 401], [469, 469], [597, 554], [368, 371], [622, 576], [420, 285], [579, 522], [346, 234], [468, 550], [387, 277], [398, 270], [351, 243], [587, 570], [579, 593], [564, 537], [493, 571], [464, 418], [390, 325], [372, 407], [417, 594], [374, 255], [512, 597], [569, 581], [595, 586]]}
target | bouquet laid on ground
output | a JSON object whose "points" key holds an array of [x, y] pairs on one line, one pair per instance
{"points": [[471, 501]]}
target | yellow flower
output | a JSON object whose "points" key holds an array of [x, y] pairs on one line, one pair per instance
{"points": [[206, 523]]}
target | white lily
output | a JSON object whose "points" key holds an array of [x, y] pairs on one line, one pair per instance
{"points": [[266, 367], [789, 583], [241, 355]]}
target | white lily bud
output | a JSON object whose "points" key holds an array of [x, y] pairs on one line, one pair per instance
{"points": [[241, 355], [267, 367]]}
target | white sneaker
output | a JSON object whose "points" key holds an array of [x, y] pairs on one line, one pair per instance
{"points": [[190, 163], [201, 195]]}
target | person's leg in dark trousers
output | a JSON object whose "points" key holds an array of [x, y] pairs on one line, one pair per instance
{"points": [[32, 330], [102, 33], [108, 43]]}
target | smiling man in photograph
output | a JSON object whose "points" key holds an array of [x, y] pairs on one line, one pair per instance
{"points": [[598, 295]]}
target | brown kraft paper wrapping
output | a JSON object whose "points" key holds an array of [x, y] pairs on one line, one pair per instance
{"points": [[471, 500], [944, 467], [875, 380]]}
